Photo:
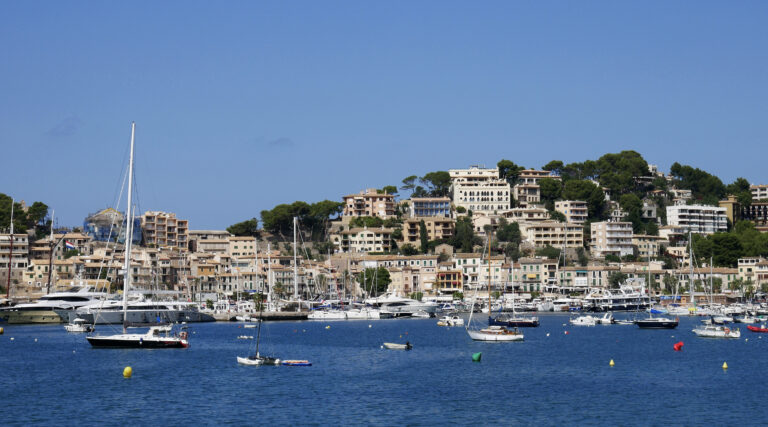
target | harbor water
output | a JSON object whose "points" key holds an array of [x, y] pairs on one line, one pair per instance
{"points": [[50, 377]]}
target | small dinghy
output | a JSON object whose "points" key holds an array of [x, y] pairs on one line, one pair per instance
{"points": [[757, 329], [395, 346], [296, 363]]}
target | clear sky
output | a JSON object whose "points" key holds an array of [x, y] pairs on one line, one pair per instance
{"points": [[244, 105]]}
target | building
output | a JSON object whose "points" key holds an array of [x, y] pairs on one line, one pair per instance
{"points": [[759, 192], [534, 274], [198, 236], [732, 208], [430, 206], [242, 246], [611, 238], [364, 240], [369, 203], [17, 257], [162, 229], [553, 233], [480, 190], [575, 211], [647, 246], [447, 280], [698, 218], [526, 194], [533, 176], [436, 227], [526, 214], [756, 212], [107, 224]]}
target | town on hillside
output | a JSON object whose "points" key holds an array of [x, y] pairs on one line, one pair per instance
{"points": [[559, 230]]}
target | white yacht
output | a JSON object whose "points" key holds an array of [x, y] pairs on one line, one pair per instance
{"points": [[394, 306], [626, 298], [47, 308], [716, 331], [584, 321], [141, 310]]}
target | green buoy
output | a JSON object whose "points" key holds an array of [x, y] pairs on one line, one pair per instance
{"points": [[477, 356]]}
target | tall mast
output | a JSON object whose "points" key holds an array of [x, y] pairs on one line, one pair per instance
{"points": [[269, 276], [10, 258], [50, 256], [295, 268], [128, 230], [489, 274], [690, 262]]}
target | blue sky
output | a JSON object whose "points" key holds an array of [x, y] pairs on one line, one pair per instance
{"points": [[244, 105]]}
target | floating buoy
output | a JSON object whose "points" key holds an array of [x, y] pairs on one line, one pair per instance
{"points": [[566, 332], [303, 330], [35, 339], [382, 346], [401, 336], [370, 326], [2, 331], [477, 356], [328, 327], [11, 338], [547, 333], [127, 372], [725, 365], [678, 346], [611, 363], [563, 324]]}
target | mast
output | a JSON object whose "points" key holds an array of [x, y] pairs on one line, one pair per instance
{"points": [[269, 275], [489, 275], [50, 256], [10, 258], [690, 262], [128, 231], [295, 268]]}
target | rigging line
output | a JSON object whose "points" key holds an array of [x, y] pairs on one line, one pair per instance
{"points": [[112, 224]]}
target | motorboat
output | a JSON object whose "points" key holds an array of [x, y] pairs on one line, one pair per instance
{"points": [[155, 337], [421, 314], [747, 318], [757, 329], [79, 325], [495, 333], [514, 320], [607, 319], [394, 306], [583, 321], [657, 323], [396, 346], [47, 308], [257, 359], [330, 314], [450, 321], [363, 313], [716, 331], [566, 304]]}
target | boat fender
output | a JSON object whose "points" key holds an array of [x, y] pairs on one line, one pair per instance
{"points": [[183, 335], [726, 330]]}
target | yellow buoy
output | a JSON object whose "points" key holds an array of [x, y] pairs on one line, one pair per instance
{"points": [[611, 363], [127, 372], [725, 365], [1, 331], [328, 327]]}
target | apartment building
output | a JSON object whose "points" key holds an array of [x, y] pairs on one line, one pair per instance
{"points": [[364, 240], [242, 246], [533, 176], [163, 229], [436, 227], [698, 218], [527, 194], [430, 207], [575, 211], [17, 257], [553, 233], [647, 246], [368, 203], [448, 280], [611, 238], [526, 214], [534, 274], [480, 190], [747, 268], [759, 192], [756, 212]]}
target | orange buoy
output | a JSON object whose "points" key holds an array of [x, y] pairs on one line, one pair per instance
{"points": [[678, 346]]}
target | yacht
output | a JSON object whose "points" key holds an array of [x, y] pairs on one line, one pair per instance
{"points": [[625, 298], [47, 308], [584, 321], [141, 310], [393, 306]]}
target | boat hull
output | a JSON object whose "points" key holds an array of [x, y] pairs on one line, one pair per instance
{"points": [[115, 317], [258, 361], [34, 316], [516, 322], [656, 324], [494, 337], [134, 341]]}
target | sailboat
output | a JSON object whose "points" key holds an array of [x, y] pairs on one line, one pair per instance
{"points": [[158, 336], [493, 332], [654, 322], [256, 358], [515, 320]]}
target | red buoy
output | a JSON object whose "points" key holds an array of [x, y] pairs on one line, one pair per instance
{"points": [[678, 346]]}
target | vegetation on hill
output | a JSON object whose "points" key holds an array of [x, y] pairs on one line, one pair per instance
{"points": [[34, 217], [246, 228], [313, 219], [725, 249]]}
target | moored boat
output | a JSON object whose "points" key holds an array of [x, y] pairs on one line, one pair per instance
{"points": [[757, 329], [716, 331]]}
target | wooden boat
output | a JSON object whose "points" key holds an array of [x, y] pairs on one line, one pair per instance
{"points": [[395, 346], [757, 329]]}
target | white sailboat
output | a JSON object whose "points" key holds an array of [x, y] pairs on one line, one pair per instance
{"points": [[256, 358], [158, 336], [495, 332]]}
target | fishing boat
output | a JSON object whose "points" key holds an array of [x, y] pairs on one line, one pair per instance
{"points": [[158, 336], [716, 331], [757, 329], [494, 333], [396, 346]]}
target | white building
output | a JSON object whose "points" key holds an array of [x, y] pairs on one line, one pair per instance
{"points": [[611, 238], [759, 191], [575, 211], [480, 190], [697, 218]]}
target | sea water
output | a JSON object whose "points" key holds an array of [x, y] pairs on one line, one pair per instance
{"points": [[50, 376]]}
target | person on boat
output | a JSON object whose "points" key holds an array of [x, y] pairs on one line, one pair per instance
{"points": [[408, 345]]}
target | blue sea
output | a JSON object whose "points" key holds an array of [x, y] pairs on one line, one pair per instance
{"points": [[49, 376]]}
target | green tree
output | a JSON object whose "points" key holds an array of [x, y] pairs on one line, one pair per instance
{"points": [[616, 279], [464, 236], [438, 183], [509, 170], [550, 190], [408, 250], [548, 252], [557, 216], [388, 189], [633, 206], [366, 221], [508, 232], [582, 257], [375, 280], [423, 236], [246, 228], [705, 187], [409, 183], [555, 166]]}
